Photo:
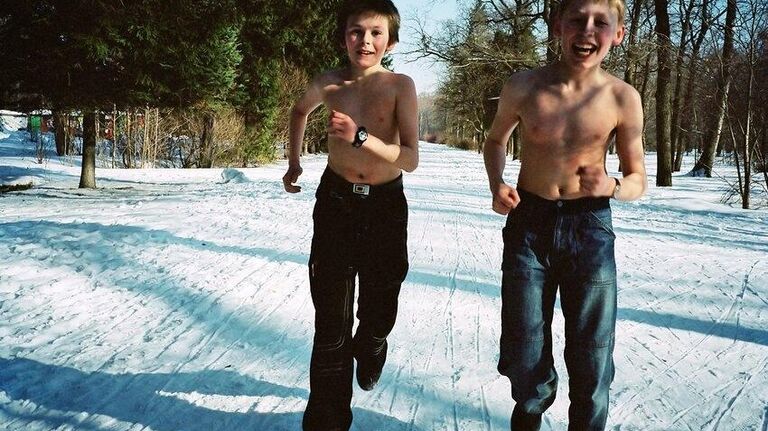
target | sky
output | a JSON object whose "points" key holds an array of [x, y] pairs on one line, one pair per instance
{"points": [[425, 73], [178, 299]]}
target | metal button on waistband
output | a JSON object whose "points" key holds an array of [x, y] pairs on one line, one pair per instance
{"points": [[559, 204]]}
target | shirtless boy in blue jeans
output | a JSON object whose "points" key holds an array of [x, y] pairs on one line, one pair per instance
{"points": [[558, 232], [360, 216]]}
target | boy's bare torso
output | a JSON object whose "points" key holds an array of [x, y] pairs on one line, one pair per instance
{"points": [[564, 128], [371, 102]]}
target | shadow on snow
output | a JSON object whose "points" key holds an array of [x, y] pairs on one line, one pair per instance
{"points": [[148, 399], [108, 236]]}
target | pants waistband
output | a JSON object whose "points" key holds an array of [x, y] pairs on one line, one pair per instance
{"points": [[578, 205], [333, 181]]}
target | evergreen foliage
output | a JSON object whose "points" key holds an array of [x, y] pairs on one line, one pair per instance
{"points": [[278, 35], [206, 56]]}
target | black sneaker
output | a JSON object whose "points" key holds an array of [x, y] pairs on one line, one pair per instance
{"points": [[370, 361]]}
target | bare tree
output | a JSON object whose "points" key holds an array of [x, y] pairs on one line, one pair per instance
{"points": [[686, 14], [663, 83], [686, 122], [703, 166], [752, 26]]}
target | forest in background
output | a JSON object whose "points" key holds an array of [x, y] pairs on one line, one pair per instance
{"points": [[202, 83]]}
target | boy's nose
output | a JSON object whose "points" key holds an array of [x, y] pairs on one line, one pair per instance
{"points": [[589, 26]]}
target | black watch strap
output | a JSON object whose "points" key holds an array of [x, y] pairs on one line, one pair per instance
{"points": [[360, 137]]}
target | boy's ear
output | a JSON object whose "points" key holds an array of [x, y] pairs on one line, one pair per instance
{"points": [[391, 46], [556, 26], [619, 36]]}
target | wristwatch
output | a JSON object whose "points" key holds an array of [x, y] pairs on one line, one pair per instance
{"points": [[616, 189], [360, 137]]}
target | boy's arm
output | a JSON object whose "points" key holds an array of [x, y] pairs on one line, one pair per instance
{"points": [[405, 155], [629, 145], [505, 198], [307, 103]]}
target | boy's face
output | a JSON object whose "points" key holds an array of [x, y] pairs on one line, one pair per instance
{"points": [[588, 30], [367, 39]]}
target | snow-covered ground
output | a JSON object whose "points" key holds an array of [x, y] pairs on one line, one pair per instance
{"points": [[172, 300]]}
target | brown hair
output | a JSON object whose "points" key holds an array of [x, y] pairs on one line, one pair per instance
{"points": [[384, 8], [617, 5]]}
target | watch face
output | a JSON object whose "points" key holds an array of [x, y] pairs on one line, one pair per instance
{"points": [[360, 137]]}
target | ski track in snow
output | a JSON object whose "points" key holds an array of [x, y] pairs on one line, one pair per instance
{"points": [[167, 300]]}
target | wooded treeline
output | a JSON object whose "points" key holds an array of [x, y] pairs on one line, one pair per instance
{"points": [[203, 81], [699, 66]]}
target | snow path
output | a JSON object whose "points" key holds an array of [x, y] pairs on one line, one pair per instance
{"points": [[168, 301]]}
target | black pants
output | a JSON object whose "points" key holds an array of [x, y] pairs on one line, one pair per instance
{"points": [[355, 234]]}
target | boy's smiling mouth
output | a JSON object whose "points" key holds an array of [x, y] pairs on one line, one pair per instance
{"points": [[584, 48]]}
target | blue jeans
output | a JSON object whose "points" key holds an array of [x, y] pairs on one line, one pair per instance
{"points": [[363, 235], [565, 244]]}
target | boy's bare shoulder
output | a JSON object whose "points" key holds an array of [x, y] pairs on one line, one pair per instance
{"points": [[624, 93], [520, 85], [329, 77], [393, 80], [403, 82], [526, 77]]}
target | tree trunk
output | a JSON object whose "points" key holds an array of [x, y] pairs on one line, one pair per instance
{"points": [[748, 140], [114, 134], [128, 152], [764, 155], [515, 140], [676, 140], [60, 134], [88, 171], [663, 114], [549, 18], [689, 98], [206, 140], [703, 166], [630, 73], [145, 148]]}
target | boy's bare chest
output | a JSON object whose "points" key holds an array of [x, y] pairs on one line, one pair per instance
{"points": [[370, 106], [570, 122]]}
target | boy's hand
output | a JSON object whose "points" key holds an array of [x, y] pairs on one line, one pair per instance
{"points": [[341, 125], [505, 199], [291, 177], [594, 182]]}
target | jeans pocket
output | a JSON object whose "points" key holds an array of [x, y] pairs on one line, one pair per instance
{"points": [[603, 220]]}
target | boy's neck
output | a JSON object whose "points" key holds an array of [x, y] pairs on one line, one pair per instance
{"points": [[575, 77], [354, 73]]}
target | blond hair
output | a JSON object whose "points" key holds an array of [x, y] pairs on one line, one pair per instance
{"points": [[617, 5]]}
